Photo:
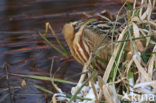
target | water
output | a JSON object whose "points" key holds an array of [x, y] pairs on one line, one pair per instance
{"points": [[24, 52]]}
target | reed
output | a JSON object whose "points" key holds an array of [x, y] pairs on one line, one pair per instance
{"points": [[129, 74]]}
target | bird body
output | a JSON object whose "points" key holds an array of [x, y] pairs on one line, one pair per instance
{"points": [[84, 36]]}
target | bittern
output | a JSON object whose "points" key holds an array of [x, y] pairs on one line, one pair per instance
{"points": [[84, 36]]}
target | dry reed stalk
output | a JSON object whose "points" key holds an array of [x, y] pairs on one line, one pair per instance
{"points": [[151, 63], [112, 60]]}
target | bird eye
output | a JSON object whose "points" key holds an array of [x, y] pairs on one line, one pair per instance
{"points": [[76, 26]]}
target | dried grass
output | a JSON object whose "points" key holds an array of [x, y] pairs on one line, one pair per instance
{"points": [[134, 72]]}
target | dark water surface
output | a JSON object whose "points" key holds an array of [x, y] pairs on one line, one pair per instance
{"points": [[22, 50]]}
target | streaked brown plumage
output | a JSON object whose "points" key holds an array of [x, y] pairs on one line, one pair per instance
{"points": [[84, 36]]}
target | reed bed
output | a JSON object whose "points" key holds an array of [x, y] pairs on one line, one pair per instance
{"points": [[130, 75]]}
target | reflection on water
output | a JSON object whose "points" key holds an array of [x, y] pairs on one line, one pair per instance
{"points": [[24, 52]]}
